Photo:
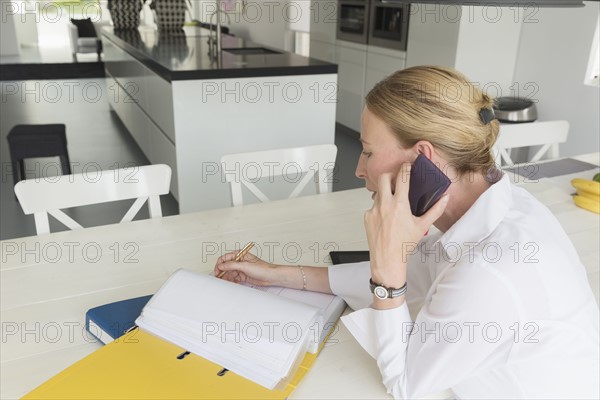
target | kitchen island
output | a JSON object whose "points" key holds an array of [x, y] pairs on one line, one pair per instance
{"points": [[186, 109]]}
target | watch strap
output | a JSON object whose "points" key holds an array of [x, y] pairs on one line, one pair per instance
{"points": [[392, 292]]}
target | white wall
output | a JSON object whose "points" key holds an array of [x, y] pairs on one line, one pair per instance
{"points": [[540, 54], [488, 42], [481, 42], [552, 58], [9, 44], [432, 36]]}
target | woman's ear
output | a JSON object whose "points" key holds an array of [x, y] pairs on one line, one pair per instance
{"points": [[424, 147]]}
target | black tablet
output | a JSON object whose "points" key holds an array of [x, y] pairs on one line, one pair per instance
{"points": [[345, 257]]}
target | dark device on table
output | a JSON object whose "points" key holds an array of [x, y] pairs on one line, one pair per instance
{"points": [[346, 257], [427, 184]]}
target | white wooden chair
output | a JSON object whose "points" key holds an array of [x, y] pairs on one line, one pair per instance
{"points": [[547, 134], [43, 196], [314, 161]]}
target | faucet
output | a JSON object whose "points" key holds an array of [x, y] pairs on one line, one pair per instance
{"points": [[215, 42]]}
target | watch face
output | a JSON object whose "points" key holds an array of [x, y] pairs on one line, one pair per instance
{"points": [[381, 292]]}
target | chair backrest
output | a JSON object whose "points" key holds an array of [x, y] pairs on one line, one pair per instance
{"points": [[248, 168], [547, 134], [43, 196]]}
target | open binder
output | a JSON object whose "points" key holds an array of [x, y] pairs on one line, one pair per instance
{"points": [[139, 365], [177, 353]]}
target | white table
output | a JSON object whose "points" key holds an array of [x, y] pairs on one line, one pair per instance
{"points": [[49, 281]]}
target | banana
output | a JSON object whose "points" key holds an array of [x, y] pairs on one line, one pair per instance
{"points": [[586, 185], [588, 195], [587, 203]]}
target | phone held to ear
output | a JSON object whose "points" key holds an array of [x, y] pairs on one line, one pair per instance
{"points": [[427, 185]]}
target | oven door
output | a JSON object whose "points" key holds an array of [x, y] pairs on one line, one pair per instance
{"points": [[388, 26], [353, 20]]}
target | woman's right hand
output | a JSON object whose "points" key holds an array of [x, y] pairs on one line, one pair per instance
{"points": [[250, 269]]}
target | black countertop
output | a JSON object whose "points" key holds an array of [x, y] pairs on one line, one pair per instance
{"points": [[184, 56]]}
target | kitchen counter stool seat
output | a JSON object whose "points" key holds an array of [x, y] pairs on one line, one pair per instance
{"points": [[32, 141]]}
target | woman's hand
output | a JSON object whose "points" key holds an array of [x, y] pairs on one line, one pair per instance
{"points": [[392, 231], [250, 269]]}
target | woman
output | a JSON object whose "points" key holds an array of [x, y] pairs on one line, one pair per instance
{"points": [[501, 303]]}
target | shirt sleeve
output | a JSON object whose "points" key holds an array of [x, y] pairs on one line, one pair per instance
{"points": [[351, 282], [457, 333]]}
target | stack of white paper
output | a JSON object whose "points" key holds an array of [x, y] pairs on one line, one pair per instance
{"points": [[331, 307], [253, 333]]}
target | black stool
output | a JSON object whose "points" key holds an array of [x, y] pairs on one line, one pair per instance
{"points": [[30, 141]]}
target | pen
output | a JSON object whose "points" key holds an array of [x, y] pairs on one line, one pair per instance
{"points": [[239, 255]]}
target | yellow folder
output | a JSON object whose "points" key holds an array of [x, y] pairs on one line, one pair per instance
{"points": [[139, 365]]}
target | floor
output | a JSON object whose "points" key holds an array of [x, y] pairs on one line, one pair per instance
{"points": [[97, 140]]}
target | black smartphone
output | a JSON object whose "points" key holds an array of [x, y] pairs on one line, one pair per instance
{"points": [[427, 184]]}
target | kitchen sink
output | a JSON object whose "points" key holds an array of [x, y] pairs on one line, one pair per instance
{"points": [[251, 50]]}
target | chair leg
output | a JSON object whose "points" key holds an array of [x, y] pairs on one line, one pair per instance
{"points": [[75, 57], [65, 165], [99, 49], [16, 170], [21, 169]]}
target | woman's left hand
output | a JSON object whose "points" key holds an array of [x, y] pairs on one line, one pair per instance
{"points": [[392, 231]]}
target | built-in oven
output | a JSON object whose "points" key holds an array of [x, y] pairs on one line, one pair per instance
{"points": [[353, 20], [388, 24]]}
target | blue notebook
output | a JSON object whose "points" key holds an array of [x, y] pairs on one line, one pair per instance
{"points": [[111, 321]]}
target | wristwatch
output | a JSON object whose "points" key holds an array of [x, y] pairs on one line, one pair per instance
{"points": [[382, 292]]}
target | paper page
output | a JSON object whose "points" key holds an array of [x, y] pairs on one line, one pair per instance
{"points": [[330, 305], [232, 325]]}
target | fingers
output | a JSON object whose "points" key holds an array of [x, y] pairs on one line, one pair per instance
{"points": [[400, 207], [384, 188], [402, 184], [222, 263], [396, 186], [227, 257], [235, 269], [232, 255], [228, 269]]}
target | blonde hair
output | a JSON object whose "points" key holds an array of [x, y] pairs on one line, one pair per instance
{"points": [[439, 105]]}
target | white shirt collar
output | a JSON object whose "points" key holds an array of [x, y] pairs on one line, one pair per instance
{"points": [[482, 218]]}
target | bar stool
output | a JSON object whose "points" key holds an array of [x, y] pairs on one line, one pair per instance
{"points": [[29, 141]]}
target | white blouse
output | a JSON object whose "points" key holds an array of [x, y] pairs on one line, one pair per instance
{"points": [[501, 308]]}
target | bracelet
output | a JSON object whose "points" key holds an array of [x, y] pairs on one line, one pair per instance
{"points": [[303, 277]]}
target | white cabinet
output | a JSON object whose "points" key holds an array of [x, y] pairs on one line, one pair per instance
{"points": [[352, 63], [323, 26], [323, 20], [162, 151], [360, 67], [144, 103], [160, 103], [322, 51], [153, 142], [189, 124], [380, 64]]}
